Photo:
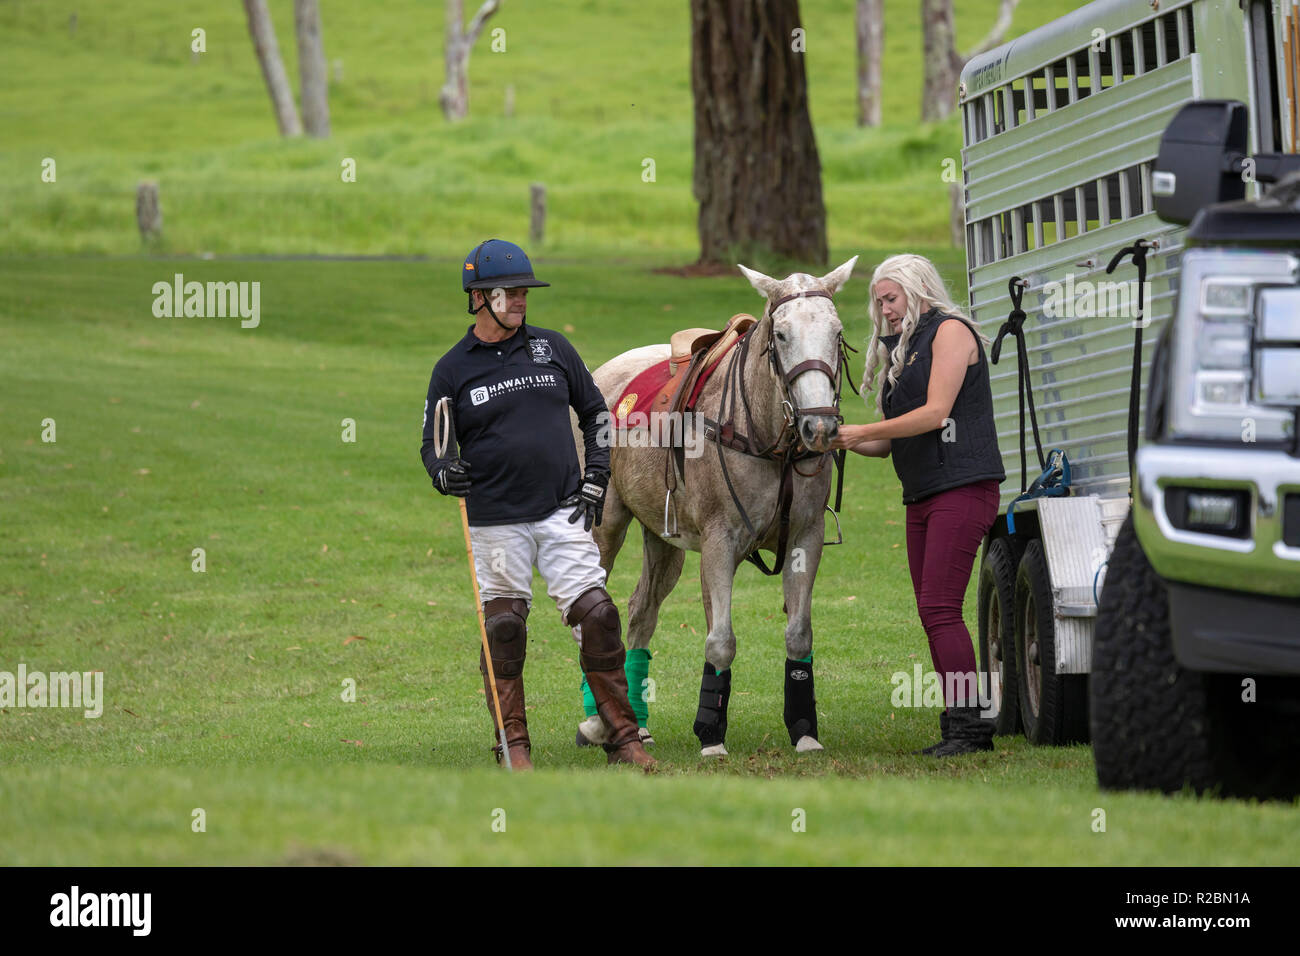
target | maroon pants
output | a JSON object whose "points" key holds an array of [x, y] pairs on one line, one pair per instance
{"points": [[944, 533]]}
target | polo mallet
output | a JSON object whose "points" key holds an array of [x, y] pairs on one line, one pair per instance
{"points": [[442, 432]]}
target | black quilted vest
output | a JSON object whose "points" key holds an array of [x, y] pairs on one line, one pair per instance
{"points": [[926, 464]]}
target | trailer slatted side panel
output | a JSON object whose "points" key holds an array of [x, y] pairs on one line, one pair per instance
{"points": [[1056, 183]]}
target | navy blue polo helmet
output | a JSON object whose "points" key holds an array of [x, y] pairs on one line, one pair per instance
{"points": [[497, 264]]}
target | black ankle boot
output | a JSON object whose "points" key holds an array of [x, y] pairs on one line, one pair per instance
{"points": [[968, 733], [943, 735]]}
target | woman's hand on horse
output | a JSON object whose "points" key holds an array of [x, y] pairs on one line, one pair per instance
{"points": [[848, 436], [858, 438]]}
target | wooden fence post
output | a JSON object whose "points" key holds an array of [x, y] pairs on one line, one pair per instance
{"points": [[148, 211], [537, 221]]}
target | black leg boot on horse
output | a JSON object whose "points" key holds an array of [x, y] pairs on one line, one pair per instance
{"points": [[801, 706], [603, 658], [711, 718], [507, 634]]}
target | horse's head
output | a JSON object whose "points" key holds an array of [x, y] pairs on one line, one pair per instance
{"points": [[805, 334]]}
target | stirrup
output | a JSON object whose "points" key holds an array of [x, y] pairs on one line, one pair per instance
{"points": [[839, 534], [670, 532]]}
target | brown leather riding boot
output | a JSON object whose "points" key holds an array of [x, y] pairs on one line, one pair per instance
{"points": [[511, 693], [602, 658], [609, 688]]}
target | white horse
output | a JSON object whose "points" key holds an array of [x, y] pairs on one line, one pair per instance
{"points": [[781, 385]]}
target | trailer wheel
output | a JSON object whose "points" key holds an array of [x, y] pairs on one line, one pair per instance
{"points": [[997, 633], [1041, 690], [1151, 720]]}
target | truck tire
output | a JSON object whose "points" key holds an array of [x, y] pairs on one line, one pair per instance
{"points": [[1151, 719], [997, 633], [1041, 691]]}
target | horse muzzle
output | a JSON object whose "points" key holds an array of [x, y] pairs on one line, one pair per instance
{"points": [[818, 431]]}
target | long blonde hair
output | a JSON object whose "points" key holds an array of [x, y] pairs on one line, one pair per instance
{"points": [[923, 289]]}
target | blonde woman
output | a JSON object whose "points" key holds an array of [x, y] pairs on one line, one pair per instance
{"points": [[927, 365]]}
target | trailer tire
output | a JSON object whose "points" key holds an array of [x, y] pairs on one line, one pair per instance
{"points": [[997, 618], [1040, 689]]}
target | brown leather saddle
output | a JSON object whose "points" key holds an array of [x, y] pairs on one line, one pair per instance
{"points": [[695, 353]]}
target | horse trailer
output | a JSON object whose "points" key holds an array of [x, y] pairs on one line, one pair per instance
{"points": [[1090, 145]]}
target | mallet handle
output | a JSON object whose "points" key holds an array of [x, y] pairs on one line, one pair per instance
{"points": [[441, 440]]}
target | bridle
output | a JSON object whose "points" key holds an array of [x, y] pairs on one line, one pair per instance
{"points": [[809, 365], [787, 442], [787, 447]]}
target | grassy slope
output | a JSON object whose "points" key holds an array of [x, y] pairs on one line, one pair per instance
{"points": [[599, 88], [223, 688]]}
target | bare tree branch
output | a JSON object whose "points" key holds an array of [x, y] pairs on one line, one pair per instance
{"points": [[1000, 27], [943, 64], [268, 55], [454, 95], [477, 22]]}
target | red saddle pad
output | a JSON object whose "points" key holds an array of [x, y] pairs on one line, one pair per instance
{"points": [[640, 393]]}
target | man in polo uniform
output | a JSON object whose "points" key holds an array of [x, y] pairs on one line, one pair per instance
{"points": [[511, 387]]}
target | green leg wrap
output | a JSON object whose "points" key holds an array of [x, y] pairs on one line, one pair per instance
{"points": [[636, 667], [806, 660]]}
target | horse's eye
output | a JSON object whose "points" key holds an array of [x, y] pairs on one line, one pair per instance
{"points": [[780, 336]]}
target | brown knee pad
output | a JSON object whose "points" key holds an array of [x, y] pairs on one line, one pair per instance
{"points": [[507, 636], [602, 634]]}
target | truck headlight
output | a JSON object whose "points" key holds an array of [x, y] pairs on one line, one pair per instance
{"points": [[1222, 353], [1214, 372], [1277, 336], [1223, 296]]}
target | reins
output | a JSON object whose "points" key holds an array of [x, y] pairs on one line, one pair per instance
{"points": [[785, 447]]}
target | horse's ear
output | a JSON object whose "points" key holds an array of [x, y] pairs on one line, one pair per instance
{"points": [[833, 280], [765, 285]]}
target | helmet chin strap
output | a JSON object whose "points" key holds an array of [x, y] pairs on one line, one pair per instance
{"points": [[487, 303]]}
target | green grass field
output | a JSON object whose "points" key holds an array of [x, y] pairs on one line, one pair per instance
{"points": [[332, 562], [223, 689]]}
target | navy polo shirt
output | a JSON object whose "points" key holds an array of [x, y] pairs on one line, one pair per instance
{"points": [[510, 410]]}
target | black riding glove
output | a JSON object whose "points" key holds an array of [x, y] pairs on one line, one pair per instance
{"points": [[452, 478], [589, 499]]}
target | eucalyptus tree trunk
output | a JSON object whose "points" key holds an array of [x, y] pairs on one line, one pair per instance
{"points": [[871, 48], [312, 72], [757, 175]]}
